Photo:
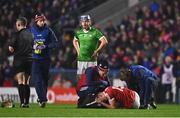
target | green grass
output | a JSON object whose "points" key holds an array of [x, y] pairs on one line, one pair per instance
{"points": [[61, 110]]}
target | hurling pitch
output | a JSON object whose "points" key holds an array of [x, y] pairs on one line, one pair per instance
{"points": [[64, 110]]}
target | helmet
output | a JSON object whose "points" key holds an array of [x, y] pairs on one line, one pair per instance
{"points": [[103, 65], [39, 16], [85, 17]]}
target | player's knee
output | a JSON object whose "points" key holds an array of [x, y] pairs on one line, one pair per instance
{"points": [[19, 78]]}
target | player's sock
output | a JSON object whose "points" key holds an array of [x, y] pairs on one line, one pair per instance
{"points": [[21, 92], [27, 94]]}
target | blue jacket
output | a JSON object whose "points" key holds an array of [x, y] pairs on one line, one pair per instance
{"points": [[44, 40], [141, 73]]}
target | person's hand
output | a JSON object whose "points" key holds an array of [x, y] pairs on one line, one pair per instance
{"points": [[78, 52], [105, 83], [35, 47], [41, 47], [95, 54], [98, 100], [11, 49]]}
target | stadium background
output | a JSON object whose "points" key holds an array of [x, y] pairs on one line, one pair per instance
{"points": [[139, 32]]}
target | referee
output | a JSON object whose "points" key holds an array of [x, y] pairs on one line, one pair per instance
{"points": [[21, 47]]}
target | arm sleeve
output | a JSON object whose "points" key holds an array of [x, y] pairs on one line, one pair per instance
{"points": [[99, 34], [161, 72], [75, 35], [175, 71], [108, 92], [140, 73], [91, 81], [54, 41], [12, 40]]}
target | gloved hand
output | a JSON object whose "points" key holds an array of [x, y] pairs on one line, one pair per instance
{"points": [[40, 47], [104, 83]]}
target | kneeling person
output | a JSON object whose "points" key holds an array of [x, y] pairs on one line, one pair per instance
{"points": [[94, 80], [112, 97]]}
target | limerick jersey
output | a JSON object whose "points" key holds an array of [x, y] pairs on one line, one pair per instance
{"points": [[88, 43]]}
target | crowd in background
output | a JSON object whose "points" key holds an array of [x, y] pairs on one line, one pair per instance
{"points": [[146, 38], [61, 15]]}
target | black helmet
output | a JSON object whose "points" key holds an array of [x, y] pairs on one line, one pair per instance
{"points": [[103, 65]]}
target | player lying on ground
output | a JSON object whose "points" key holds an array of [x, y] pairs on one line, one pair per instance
{"points": [[116, 97]]}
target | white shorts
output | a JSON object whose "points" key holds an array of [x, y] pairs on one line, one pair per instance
{"points": [[136, 103], [82, 65]]}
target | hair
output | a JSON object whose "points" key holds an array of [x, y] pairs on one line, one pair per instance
{"points": [[22, 20], [123, 70], [126, 72]]}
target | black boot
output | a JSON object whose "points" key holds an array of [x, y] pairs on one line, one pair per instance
{"points": [[153, 105]]}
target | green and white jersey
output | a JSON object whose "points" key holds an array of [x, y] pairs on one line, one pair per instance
{"points": [[88, 43]]}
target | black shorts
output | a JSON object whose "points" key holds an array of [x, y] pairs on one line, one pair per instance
{"points": [[22, 65]]}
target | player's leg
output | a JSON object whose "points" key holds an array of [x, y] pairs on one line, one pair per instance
{"points": [[82, 95], [28, 67], [88, 101], [136, 103], [149, 93], [18, 70], [82, 66], [45, 77], [26, 89], [153, 92], [19, 79], [80, 69], [89, 64], [37, 79], [141, 91]]}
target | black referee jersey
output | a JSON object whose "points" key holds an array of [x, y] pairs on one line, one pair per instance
{"points": [[22, 42]]}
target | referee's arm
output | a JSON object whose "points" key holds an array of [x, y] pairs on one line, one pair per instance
{"points": [[11, 43]]}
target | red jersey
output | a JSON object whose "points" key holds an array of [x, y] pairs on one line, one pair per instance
{"points": [[122, 95]]}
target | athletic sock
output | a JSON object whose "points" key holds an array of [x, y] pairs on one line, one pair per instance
{"points": [[27, 93], [21, 92]]}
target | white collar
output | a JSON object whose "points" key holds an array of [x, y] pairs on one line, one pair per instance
{"points": [[86, 31]]}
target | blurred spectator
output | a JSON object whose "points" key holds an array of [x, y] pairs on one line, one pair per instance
{"points": [[66, 83], [168, 80], [7, 74], [177, 75], [57, 81], [154, 6]]}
